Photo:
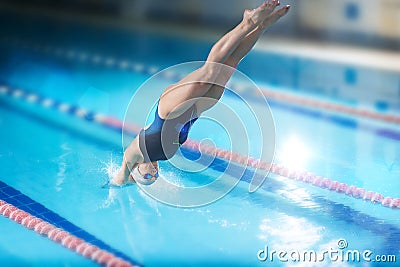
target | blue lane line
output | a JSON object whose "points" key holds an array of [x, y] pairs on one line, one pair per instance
{"points": [[89, 116], [23, 202], [344, 121], [58, 125], [338, 120], [389, 232]]}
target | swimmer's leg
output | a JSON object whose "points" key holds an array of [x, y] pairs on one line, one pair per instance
{"points": [[251, 39], [215, 92], [197, 83]]}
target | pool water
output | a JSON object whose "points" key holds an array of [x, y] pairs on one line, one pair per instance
{"points": [[60, 162]]}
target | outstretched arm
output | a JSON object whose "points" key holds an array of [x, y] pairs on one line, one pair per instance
{"points": [[132, 157]]}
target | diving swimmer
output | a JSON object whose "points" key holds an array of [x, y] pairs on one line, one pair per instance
{"points": [[182, 103]]}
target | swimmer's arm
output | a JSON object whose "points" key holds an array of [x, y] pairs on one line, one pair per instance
{"points": [[123, 175], [132, 156]]}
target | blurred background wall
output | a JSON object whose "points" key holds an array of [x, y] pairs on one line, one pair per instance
{"points": [[366, 23]]}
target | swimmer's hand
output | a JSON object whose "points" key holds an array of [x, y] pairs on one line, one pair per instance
{"points": [[123, 177], [129, 162]]}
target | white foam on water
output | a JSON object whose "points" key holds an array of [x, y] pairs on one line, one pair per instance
{"points": [[111, 168]]}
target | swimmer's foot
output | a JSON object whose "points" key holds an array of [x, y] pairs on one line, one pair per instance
{"points": [[274, 16], [258, 15]]}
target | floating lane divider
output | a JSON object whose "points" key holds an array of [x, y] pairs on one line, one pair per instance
{"points": [[301, 176], [302, 101], [22, 209], [65, 108], [127, 65]]}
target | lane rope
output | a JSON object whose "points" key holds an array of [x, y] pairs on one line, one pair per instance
{"points": [[279, 169], [61, 236], [137, 67]]}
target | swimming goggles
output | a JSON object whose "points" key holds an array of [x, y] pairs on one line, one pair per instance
{"points": [[145, 179]]}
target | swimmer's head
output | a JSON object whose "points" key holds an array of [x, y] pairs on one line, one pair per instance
{"points": [[145, 173]]}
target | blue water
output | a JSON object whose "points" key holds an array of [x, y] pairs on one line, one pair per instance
{"points": [[60, 161]]}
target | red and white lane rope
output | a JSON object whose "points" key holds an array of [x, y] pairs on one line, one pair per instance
{"points": [[319, 104], [137, 67], [301, 176], [62, 237]]}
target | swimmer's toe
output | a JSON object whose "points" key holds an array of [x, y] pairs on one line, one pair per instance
{"points": [[274, 16]]}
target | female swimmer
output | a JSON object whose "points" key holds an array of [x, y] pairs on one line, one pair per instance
{"points": [[182, 103]]}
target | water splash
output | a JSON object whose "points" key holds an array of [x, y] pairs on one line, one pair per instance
{"points": [[111, 168]]}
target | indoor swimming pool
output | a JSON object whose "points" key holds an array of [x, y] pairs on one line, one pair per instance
{"points": [[64, 90]]}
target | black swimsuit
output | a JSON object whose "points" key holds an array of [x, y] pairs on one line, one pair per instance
{"points": [[162, 138]]}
